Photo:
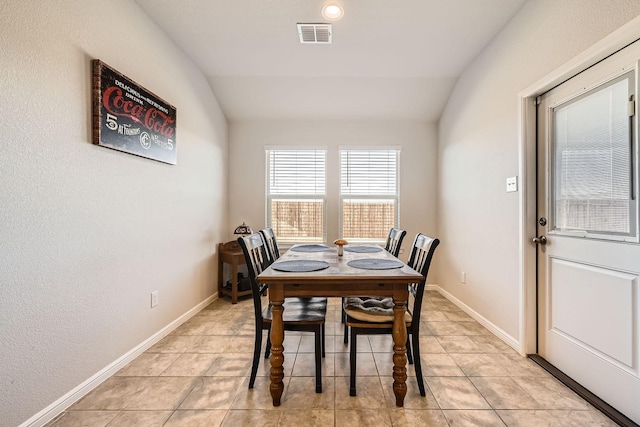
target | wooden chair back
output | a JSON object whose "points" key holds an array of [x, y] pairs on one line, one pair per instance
{"points": [[422, 252], [257, 260], [394, 241], [271, 244]]}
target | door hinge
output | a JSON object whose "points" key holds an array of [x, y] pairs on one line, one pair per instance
{"points": [[538, 100], [631, 107]]}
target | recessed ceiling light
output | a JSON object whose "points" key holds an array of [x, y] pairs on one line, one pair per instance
{"points": [[332, 11]]}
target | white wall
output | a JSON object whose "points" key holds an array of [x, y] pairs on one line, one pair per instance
{"points": [[417, 166], [478, 148], [86, 233]]}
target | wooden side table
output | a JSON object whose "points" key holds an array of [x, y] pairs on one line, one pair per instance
{"points": [[231, 253]]}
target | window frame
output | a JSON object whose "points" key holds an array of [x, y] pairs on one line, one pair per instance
{"points": [[270, 196], [348, 196], [633, 234]]}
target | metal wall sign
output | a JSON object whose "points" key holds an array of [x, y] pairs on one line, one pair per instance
{"points": [[127, 117]]}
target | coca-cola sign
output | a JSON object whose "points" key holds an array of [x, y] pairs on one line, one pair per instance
{"points": [[129, 118]]}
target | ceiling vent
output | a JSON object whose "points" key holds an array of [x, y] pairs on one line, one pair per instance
{"points": [[315, 33]]}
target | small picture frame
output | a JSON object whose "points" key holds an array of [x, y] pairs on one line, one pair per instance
{"points": [[129, 118]]}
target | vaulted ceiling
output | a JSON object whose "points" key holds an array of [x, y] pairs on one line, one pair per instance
{"points": [[389, 60]]}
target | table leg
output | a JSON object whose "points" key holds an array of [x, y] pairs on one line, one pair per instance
{"points": [[399, 350], [277, 349], [220, 275], [234, 283]]}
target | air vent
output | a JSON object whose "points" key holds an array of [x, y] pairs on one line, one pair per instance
{"points": [[315, 33]]}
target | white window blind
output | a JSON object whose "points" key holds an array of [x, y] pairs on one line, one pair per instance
{"points": [[369, 193], [296, 194], [593, 162]]}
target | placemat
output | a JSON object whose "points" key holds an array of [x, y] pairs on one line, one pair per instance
{"points": [[375, 263], [310, 248], [299, 266], [362, 249]]}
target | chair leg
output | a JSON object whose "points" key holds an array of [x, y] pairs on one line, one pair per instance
{"points": [[352, 362], [346, 333], [324, 343], [267, 349], [318, 359], [344, 321], [256, 357], [417, 364], [409, 352]]}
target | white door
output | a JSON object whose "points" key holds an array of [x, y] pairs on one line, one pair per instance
{"points": [[589, 265]]}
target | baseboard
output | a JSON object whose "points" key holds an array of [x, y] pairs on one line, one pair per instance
{"points": [[508, 339], [60, 405]]}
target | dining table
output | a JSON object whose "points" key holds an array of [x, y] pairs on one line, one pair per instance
{"points": [[316, 270]]}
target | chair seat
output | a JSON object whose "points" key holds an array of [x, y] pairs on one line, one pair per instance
{"points": [[372, 310], [300, 310]]}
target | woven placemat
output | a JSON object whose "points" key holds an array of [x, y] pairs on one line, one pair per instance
{"points": [[299, 266], [362, 249], [375, 264], [310, 248]]}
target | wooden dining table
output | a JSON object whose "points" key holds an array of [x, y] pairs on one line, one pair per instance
{"points": [[339, 280]]}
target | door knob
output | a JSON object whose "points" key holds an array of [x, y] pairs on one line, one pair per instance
{"points": [[542, 240]]}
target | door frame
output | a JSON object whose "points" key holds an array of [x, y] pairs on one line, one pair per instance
{"points": [[615, 41]]}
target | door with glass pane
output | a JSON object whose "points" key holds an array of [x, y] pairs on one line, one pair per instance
{"points": [[588, 251]]}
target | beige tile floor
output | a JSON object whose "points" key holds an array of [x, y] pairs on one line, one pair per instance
{"points": [[198, 376]]}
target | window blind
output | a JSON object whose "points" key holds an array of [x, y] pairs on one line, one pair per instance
{"points": [[592, 169], [369, 172], [297, 172]]}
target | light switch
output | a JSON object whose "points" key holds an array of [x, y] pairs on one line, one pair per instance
{"points": [[512, 184]]}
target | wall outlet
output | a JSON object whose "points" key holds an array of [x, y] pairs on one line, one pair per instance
{"points": [[463, 277], [512, 184], [154, 298]]}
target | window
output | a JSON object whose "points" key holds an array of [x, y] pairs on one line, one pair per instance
{"points": [[368, 193], [296, 194], [593, 161]]}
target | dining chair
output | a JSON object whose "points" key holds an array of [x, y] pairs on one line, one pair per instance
{"points": [[369, 316], [393, 244], [273, 252], [300, 314], [271, 243]]}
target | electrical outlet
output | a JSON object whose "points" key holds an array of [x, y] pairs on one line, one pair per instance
{"points": [[512, 184], [154, 298], [463, 277]]}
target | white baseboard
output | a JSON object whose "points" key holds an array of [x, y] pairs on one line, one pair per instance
{"points": [[59, 406], [498, 332]]}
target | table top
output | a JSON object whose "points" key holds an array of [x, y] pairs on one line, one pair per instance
{"points": [[338, 270], [231, 247]]}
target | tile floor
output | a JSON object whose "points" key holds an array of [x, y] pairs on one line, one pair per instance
{"points": [[198, 376]]}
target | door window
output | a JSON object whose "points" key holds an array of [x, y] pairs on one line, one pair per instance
{"points": [[593, 168]]}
